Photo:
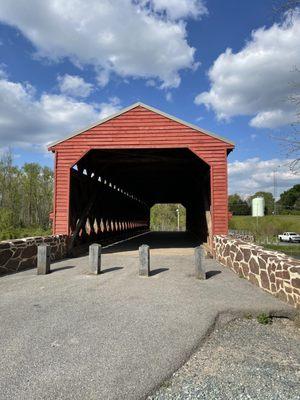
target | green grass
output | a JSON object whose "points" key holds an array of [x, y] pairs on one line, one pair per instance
{"points": [[267, 229], [268, 226], [286, 248], [291, 250], [18, 233]]}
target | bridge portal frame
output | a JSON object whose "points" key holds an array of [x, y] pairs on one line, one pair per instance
{"points": [[139, 127]]}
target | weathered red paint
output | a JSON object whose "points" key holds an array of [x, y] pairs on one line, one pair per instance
{"points": [[136, 129]]}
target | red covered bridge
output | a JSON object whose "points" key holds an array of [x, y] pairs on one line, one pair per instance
{"points": [[109, 175]]}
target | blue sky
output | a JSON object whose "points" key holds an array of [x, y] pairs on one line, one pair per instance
{"points": [[66, 64]]}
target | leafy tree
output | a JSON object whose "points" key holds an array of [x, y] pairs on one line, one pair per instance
{"points": [[6, 219], [164, 217], [290, 199], [297, 205], [10, 196], [45, 196], [30, 185], [25, 197], [237, 205]]}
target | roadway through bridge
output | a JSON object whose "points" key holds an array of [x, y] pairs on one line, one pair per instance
{"points": [[73, 335], [112, 192], [163, 243]]}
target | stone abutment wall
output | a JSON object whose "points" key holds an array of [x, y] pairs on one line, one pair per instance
{"points": [[273, 271], [20, 254]]}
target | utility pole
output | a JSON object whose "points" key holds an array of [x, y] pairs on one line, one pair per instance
{"points": [[178, 217], [274, 190], [257, 218]]}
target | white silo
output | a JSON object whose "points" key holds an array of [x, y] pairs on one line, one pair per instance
{"points": [[258, 207]]}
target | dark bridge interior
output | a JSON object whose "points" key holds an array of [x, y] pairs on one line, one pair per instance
{"points": [[112, 191]]}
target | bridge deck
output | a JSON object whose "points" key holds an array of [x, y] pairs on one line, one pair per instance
{"points": [[71, 335]]}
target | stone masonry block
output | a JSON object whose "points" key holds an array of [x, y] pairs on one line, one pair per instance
{"points": [[144, 255], [199, 263], [43, 259], [95, 258]]}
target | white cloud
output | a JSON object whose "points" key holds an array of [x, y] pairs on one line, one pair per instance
{"points": [[74, 85], [274, 118], [256, 81], [150, 83], [3, 73], [253, 175], [28, 120], [102, 78], [132, 38], [176, 9], [169, 97], [110, 107]]}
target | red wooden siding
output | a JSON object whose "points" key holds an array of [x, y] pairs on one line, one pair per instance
{"points": [[142, 128]]}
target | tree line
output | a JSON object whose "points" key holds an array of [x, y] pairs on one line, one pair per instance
{"points": [[26, 195], [168, 217], [288, 203]]}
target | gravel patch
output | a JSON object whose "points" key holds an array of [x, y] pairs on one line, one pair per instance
{"points": [[244, 360]]}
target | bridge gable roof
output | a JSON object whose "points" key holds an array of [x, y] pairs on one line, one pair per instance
{"points": [[229, 144]]}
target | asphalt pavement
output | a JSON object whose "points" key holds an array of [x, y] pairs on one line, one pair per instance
{"points": [[73, 335]]}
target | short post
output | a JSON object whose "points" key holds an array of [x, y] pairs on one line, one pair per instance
{"points": [[43, 259], [144, 254], [95, 258], [199, 263]]}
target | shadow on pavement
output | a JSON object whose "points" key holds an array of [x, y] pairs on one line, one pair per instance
{"points": [[110, 269], [158, 271], [211, 274], [62, 268], [156, 240]]}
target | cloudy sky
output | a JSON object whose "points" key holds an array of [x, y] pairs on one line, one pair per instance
{"points": [[227, 66]]}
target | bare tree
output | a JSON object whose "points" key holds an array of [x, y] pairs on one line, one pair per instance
{"points": [[291, 142]]}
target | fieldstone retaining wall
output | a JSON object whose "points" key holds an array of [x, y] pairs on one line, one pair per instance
{"points": [[273, 271], [19, 254], [246, 237]]}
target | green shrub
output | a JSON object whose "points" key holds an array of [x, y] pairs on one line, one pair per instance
{"points": [[17, 233], [264, 319]]}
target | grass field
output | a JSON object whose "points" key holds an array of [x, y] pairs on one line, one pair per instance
{"points": [[270, 225], [291, 250], [266, 229]]}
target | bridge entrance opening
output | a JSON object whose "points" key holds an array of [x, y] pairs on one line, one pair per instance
{"points": [[112, 192], [168, 218], [110, 174]]}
